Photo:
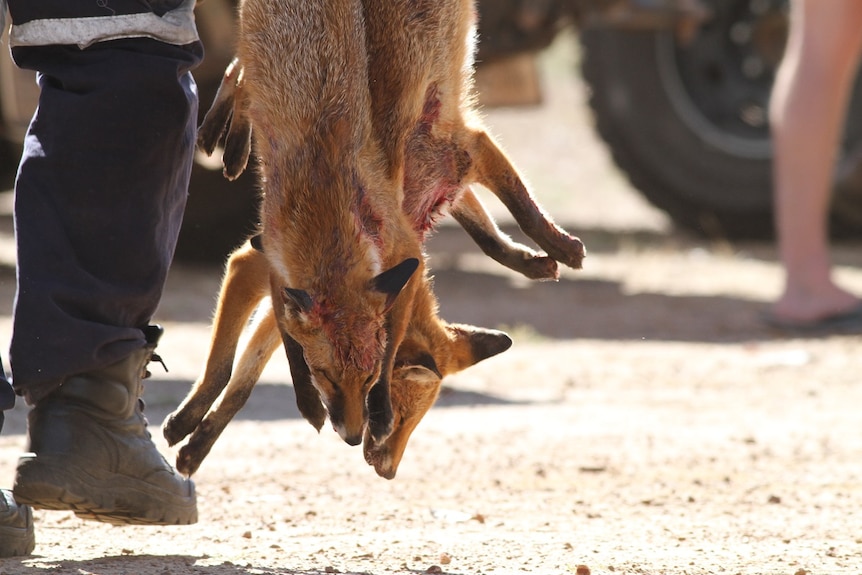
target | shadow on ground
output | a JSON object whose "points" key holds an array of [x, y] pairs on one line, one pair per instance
{"points": [[269, 401], [488, 295], [574, 308], [173, 564]]}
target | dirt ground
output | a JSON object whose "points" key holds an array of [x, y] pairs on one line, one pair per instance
{"points": [[644, 422]]}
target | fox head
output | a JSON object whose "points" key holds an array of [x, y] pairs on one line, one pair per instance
{"points": [[421, 365], [331, 231], [342, 330], [414, 390]]}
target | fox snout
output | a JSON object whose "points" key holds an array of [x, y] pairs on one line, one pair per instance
{"points": [[348, 437], [381, 458], [348, 417]]}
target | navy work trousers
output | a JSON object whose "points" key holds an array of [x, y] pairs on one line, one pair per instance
{"points": [[99, 198], [7, 398]]}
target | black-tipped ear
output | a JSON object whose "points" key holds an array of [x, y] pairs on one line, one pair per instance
{"points": [[473, 344], [257, 242], [488, 343], [298, 298], [307, 397], [393, 280]]}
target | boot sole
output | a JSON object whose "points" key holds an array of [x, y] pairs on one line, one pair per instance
{"points": [[49, 483]]}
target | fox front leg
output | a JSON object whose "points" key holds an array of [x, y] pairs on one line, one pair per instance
{"points": [[494, 171], [471, 214]]}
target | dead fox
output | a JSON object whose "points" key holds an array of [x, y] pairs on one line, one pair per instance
{"points": [[430, 350], [428, 147], [332, 218], [340, 250]]}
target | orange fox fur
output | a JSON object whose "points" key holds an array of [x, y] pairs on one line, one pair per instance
{"points": [[359, 177], [431, 350], [420, 61], [339, 248], [421, 69]]}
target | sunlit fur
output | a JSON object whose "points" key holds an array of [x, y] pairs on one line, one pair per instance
{"points": [[449, 348], [428, 341], [421, 72], [365, 130], [331, 214]]}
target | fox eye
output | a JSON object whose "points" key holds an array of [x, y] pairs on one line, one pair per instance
{"points": [[329, 379]]}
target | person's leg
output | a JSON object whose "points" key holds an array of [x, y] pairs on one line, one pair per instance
{"points": [[98, 204], [17, 536], [99, 200], [808, 106]]}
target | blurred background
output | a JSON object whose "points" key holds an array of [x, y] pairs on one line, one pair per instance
{"points": [[596, 100], [641, 126]]}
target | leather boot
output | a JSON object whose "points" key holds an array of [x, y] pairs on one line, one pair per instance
{"points": [[16, 527], [90, 452]]}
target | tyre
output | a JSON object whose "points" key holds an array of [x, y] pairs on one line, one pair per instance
{"points": [[687, 120], [512, 27]]}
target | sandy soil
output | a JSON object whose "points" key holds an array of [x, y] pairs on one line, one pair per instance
{"points": [[644, 422]]}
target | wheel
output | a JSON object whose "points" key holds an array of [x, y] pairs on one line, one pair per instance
{"points": [[511, 27], [687, 119]]}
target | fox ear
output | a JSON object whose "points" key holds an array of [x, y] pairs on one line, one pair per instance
{"points": [[420, 359], [489, 342], [393, 280], [297, 298], [416, 375], [473, 344]]}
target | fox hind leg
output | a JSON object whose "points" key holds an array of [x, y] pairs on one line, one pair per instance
{"points": [[228, 119]]}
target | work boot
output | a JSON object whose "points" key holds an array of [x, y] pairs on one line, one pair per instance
{"points": [[16, 527], [90, 452]]}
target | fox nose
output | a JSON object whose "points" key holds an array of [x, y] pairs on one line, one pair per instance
{"points": [[353, 439], [349, 438]]}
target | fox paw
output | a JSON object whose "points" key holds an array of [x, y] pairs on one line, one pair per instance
{"points": [[174, 429]]}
